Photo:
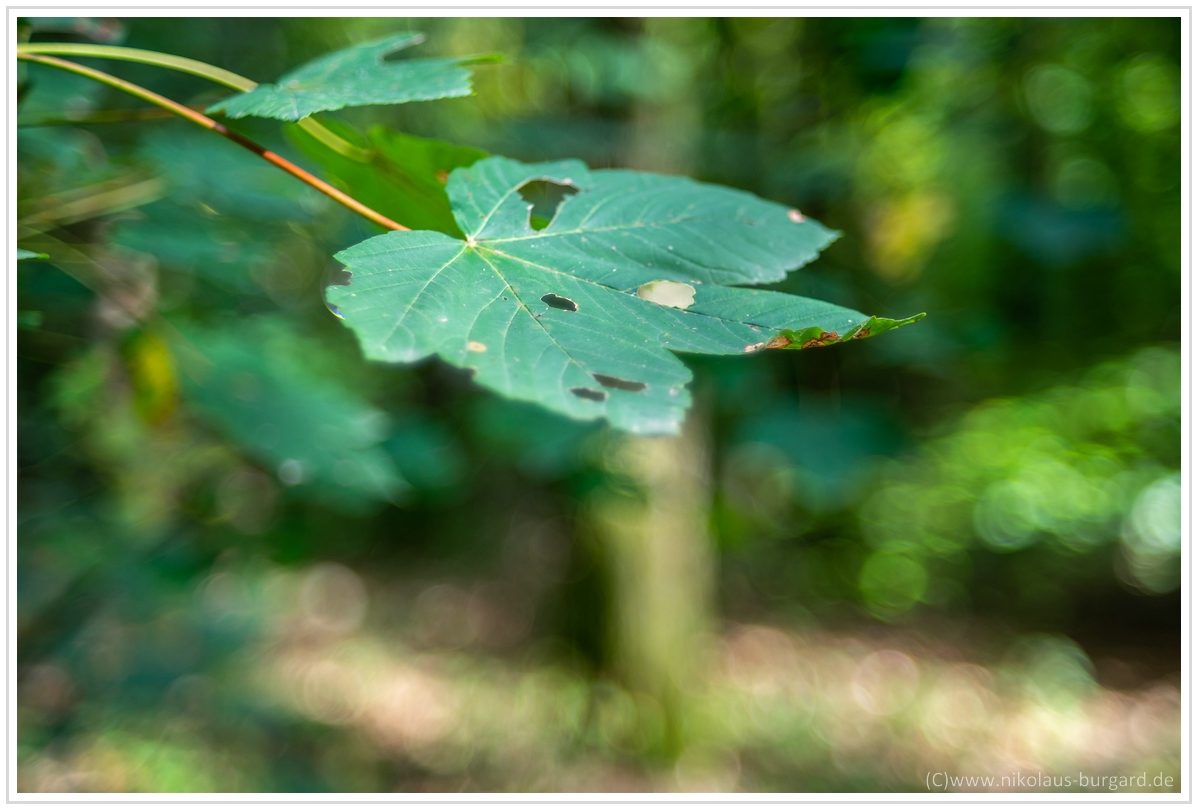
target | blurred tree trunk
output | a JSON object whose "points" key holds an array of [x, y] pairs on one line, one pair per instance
{"points": [[655, 543], [667, 116], [660, 566]]}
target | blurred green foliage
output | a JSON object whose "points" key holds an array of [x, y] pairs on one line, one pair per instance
{"points": [[1073, 469], [239, 542]]}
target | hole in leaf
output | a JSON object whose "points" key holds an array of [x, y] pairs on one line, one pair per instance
{"points": [[589, 393], [335, 278], [667, 293], [616, 382], [545, 197], [558, 302]]}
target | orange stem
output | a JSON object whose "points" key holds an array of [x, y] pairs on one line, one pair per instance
{"points": [[204, 121]]}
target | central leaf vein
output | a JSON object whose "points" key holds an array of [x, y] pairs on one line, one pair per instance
{"points": [[526, 309]]}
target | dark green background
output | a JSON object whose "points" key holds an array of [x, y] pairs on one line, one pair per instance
{"points": [[998, 484]]}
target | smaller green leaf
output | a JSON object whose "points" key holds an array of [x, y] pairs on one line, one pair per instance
{"points": [[29, 254], [354, 77], [404, 178]]}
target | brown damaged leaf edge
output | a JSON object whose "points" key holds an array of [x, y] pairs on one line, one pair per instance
{"points": [[815, 336], [824, 339]]}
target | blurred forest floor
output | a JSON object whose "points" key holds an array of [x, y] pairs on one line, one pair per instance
{"points": [[431, 709]]}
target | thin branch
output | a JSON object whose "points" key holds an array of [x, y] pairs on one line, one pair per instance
{"points": [[195, 68], [201, 120], [166, 60]]}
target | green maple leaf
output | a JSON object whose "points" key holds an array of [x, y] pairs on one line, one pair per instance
{"points": [[354, 77], [404, 177], [584, 315]]}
